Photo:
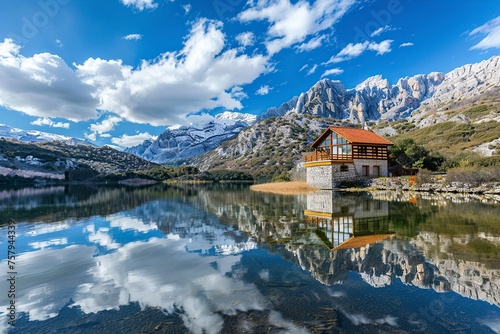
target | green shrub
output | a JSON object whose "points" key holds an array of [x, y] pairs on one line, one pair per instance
{"points": [[281, 177], [230, 175]]}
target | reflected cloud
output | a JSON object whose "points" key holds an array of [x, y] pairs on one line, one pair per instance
{"points": [[48, 243], [493, 324], [125, 223], [101, 237], [151, 273], [47, 278], [361, 319], [39, 229], [177, 273]]}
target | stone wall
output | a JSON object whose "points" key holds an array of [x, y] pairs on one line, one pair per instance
{"points": [[320, 177], [359, 163], [331, 176]]}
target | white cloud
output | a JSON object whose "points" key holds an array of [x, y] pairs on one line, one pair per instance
{"points": [[304, 67], [105, 126], [382, 47], [380, 31], [355, 50], [140, 4], [91, 136], [246, 38], [45, 121], [294, 23], [406, 44], [491, 32], [263, 90], [129, 141], [200, 76], [59, 43], [312, 69], [43, 86], [187, 8], [348, 52], [312, 44], [133, 37], [333, 71]]}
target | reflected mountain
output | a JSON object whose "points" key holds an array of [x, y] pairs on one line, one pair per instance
{"points": [[220, 258], [80, 201], [436, 243]]}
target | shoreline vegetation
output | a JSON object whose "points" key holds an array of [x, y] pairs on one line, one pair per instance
{"points": [[285, 188], [489, 189]]}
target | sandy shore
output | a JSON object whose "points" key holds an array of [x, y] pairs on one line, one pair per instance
{"points": [[290, 188]]}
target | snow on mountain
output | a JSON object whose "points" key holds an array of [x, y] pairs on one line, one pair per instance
{"points": [[38, 136], [229, 116], [176, 146]]}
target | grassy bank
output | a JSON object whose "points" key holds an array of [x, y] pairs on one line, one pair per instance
{"points": [[288, 188]]}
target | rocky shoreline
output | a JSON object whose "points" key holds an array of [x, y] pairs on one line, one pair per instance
{"points": [[491, 189]]}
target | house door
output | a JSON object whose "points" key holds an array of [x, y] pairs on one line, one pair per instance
{"points": [[365, 170], [376, 171]]}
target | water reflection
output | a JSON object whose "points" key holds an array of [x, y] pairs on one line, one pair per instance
{"points": [[228, 259], [148, 255], [344, 221]]}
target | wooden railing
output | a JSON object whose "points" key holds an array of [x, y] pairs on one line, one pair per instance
{"points": [[322, 156]]}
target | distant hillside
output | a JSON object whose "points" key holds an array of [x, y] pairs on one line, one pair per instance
{"points": [[269, 147], [466, 131], [52, 159]]}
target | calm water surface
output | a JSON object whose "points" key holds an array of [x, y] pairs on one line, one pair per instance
{"points": [[223, 259]]}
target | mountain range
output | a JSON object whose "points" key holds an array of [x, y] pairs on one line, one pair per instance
{"points": [[34, 136], [376, 99], [416, 99], [177, 146], [274, 141]]}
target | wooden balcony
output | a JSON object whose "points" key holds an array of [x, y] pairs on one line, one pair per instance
{"points": [[324, 156]]}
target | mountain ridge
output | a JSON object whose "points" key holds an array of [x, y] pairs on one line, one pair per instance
{"points": [[177, 146], [35, 136]]}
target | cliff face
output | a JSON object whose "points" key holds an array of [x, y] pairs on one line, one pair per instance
{"points": [[377, 99]]}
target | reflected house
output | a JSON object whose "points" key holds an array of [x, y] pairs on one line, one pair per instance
{"points": [[348, 221], [346, 154]]}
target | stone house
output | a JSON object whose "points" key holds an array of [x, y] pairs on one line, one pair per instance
{"points": [[346, 154]]}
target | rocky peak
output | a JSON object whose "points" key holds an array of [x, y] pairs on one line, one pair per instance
{"points": [[375, 82]]}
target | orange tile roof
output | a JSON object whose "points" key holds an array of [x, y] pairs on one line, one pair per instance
{"points": [[355, 136]]}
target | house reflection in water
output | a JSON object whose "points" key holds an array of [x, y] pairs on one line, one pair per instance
{"points": [[348, 221]]}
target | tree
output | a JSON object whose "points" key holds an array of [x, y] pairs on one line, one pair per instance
{"points": [[410, 155]]}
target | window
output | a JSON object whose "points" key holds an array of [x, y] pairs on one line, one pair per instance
{"points": [[365, 170], [363, 150], [376, 171], [344, 168]]}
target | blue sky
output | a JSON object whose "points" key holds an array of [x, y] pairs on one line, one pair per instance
{"points": [[121, 71]]}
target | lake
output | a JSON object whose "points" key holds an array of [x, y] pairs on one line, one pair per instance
{"points": [[220, 258]]}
